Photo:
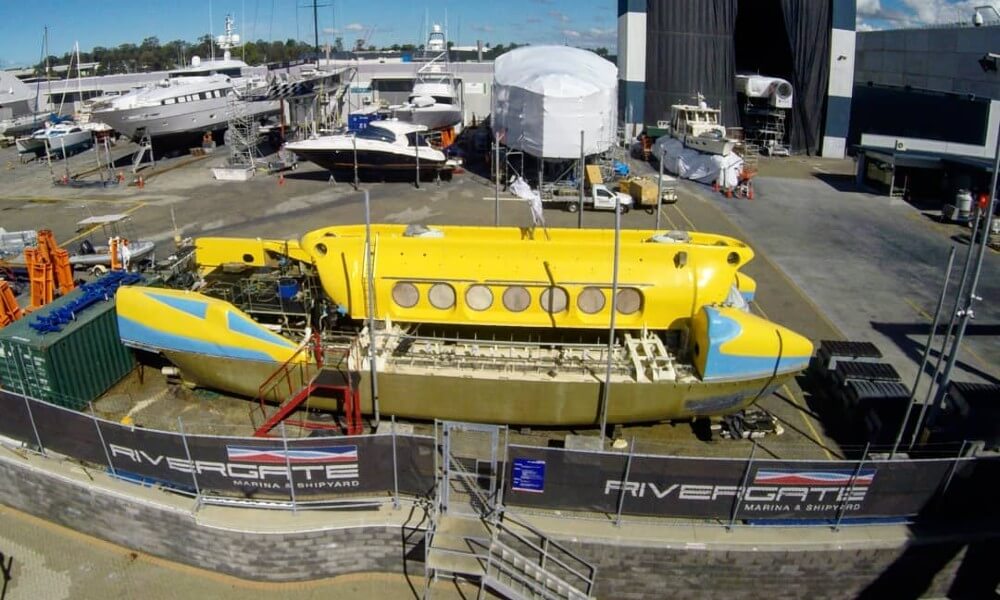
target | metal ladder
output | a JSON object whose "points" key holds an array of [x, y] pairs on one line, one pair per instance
{"points": [[470, 535]]}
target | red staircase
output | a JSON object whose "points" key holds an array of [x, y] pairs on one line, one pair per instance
{"points": [[316, 376]]}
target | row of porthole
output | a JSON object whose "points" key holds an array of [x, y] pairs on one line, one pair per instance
{"points": [[516, 298]]}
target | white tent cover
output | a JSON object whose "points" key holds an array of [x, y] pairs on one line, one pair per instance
{"points": [[544, 96], [697, 166]]}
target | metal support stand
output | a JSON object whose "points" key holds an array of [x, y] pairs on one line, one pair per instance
{"points": [[583, 176], [194, 471], [370, 289], [416, 151], [354, 144], [968, 312], [743, 486], [496, 178], [288, 465], [395, 467], [954, 467], [947, 335], [926, 356], [606, 388], [659, 194], [34, 428], [850, 488], [624, 486], [100, 435]]}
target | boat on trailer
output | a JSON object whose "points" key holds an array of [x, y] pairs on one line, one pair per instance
{"points": [[497, 325]]}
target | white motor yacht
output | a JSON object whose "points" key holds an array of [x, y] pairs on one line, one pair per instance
{"points": [[189, 102], [383, 146]]}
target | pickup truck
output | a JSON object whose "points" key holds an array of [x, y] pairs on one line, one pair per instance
{"points": [[598, 197]]}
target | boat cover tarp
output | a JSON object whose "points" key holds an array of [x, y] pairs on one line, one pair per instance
{"points": [[697, 166], [544, 96]]}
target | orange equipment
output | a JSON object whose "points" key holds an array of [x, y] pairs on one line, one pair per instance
{"points": [[114, 251], [48, 266], [9, 309], [59, 259]]}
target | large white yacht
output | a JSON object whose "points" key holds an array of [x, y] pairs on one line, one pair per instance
{"points": [[383, 146], [434, 101], [189, 101]]}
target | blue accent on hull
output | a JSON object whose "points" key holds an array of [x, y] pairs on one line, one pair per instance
{"points": [[132, 331], [719, 365], [195, 308], [748, 296], [243, 326]]}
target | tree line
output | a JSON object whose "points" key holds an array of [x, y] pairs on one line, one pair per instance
{"points": [[151, 55]]}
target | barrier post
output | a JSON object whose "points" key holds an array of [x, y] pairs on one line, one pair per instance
{"points": [[743, 486], [621, 492], [194, 471], [288, 465], [503, 469], [850, 488], [34, 428], [395, 466], [954, 467], [97, 424]]}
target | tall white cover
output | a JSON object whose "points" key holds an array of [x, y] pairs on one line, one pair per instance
{"points": [[544, 96]]}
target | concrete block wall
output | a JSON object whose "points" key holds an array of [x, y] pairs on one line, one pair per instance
{"points": [[177, 535], [943, 60]]}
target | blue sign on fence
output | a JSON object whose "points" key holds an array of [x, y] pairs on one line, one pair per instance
{"points": [[529, 475]]}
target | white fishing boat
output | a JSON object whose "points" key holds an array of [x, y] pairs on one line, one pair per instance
{"points": [[700, 128], [434, 101], [62, 140]]}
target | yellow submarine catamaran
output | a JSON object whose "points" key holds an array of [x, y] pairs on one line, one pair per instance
{"points": [[514, 320]]}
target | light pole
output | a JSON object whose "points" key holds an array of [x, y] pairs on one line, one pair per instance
{"points": [[966, 312]]}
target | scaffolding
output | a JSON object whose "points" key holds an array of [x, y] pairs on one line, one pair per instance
{"points": [[764, 129], [243, 136]]}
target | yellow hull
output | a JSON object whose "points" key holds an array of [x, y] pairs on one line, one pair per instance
{"points": [[507, 277], [505, 401]]}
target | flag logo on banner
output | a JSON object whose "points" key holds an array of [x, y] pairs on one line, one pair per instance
{"points": [[319, 455], [841, 477]]}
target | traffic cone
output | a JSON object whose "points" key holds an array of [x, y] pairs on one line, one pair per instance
{"points": [[281, 179], [140, 183]]}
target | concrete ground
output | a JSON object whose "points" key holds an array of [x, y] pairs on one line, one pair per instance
{"points": [[50, 562], [873, 265]]}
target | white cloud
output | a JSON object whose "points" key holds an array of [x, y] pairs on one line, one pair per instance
{"points": [[869, 7], [558, 16], [483, 28], [570, 33], [355, 27]]}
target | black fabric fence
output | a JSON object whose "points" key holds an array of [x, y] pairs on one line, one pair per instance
{"points": [[748, 489], [259, 468], [690, 50]]}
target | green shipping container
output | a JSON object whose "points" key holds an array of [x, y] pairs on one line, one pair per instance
{"points": [[71, 367]]}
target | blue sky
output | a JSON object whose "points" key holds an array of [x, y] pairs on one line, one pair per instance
{"points": [[588, 23], [896, 14], [113, 22]]}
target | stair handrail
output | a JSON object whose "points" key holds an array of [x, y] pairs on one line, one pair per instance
{"points": [[534, 584], [548, 541]]}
